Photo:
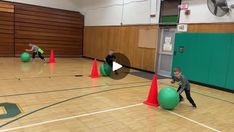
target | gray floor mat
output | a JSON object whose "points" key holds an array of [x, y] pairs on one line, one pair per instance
{"points": [[145, 75]]}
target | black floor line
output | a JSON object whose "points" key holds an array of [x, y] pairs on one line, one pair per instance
{"points": [[18, 78], [69, 89], [146, 75], [66, 100], [63, 101]]}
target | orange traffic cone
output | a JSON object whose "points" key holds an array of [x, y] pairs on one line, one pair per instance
{"points": [[52, 60], [94, 73], [153, 93]]}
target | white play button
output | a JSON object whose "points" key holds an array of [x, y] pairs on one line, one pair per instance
{"points": [[120, 66], [116, 66]]}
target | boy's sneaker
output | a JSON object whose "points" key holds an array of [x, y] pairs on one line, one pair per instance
{"points": [[116, 73], [33, 60], [44, 60], [194, 106], [181, 99]]}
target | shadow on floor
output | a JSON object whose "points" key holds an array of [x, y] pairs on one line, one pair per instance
{"points": [[145, 75]]}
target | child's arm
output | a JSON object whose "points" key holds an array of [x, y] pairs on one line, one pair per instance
{"points": [[184, 83], [105, 59], [173, 80], [29, 49]]}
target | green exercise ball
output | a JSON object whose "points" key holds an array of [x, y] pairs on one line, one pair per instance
{"points": [[105, 70], [108, 69], [25, 57], [102, 71], [168, 98]]}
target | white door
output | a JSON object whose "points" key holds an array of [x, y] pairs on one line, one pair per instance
{"points": [[166, 51]]}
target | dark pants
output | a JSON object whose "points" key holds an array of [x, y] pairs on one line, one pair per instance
{"points": [[188, 96], [110, 63], [39, 54]]}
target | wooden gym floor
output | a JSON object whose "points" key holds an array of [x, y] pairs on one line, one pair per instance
{"points": [[53, 99]]}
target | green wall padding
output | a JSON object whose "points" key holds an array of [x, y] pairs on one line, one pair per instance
{"points": [[230, 76], [207, 57]]}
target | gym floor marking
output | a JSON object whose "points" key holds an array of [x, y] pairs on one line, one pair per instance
{"points": [[99, 112], [71, 117], [2, 110], [90, 115], [201, 124], [2, 125], [69, 89], [66, 100]]}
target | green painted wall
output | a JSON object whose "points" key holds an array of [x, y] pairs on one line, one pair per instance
{"points": [[207, 57]]}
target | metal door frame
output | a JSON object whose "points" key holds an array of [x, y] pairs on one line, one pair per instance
{"points": [[159, 53]]}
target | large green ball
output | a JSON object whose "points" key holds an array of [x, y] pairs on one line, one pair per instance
{"points": [[25, 57], [108, 69], [105, 70], [102, 70], [168, 98]]}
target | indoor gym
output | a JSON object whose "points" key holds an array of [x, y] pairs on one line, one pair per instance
{"points": [[68, 92]]}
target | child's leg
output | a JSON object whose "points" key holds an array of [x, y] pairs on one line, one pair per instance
{"points": [[39, 54], [187, 92], [33, 55], [110, 64], [181, 97]]}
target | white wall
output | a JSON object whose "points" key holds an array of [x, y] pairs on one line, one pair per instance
{"points": [[201, 14], [130, 12], [59, 4], [103, 12], [107, 12], [117, 12]]}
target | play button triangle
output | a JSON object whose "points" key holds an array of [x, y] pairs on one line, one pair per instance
{"points": [[116, 66]]}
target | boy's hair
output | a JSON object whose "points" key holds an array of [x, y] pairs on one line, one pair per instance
{"points": [[177, 69]]}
